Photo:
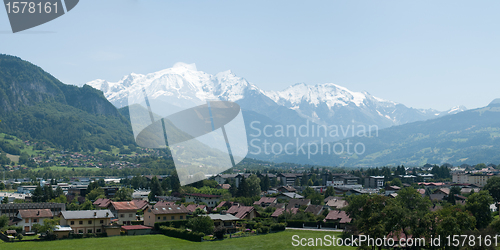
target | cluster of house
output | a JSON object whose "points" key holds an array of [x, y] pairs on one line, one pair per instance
{"points": [[112, 217], [478, 177]]}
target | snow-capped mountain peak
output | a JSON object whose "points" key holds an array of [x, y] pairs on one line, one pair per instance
{"points": [[329, 93], [321, 103]]}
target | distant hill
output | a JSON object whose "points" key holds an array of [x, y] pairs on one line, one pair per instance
{"points": [[35, 105], [471, 137]]}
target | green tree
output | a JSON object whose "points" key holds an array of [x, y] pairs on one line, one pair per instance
{"points": [[451, 196], [243, 188], [93, 185], [4, 221], [479, 205], [24, 158], [330, 191], [37, 194], [264, 183], [60, 199], [58, 192], [406, 212], [493, 187], [198, 211], [253, 185], [304, 180], [87, 205], [451, 220], [165, 184], [174, 183], [48, 193], [366, 212], [47, 226], [201, 224], [495, 224], [232, 189], [156, 189], [396, 182], [297, 182], [316, 198], [95, 194], [124, 194], [274, 182], [2, 186]]}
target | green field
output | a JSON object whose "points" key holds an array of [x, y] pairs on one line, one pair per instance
{"points": [[278, 241]]}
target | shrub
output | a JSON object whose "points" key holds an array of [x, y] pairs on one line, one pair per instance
{"points": [[276, 227], [138, 222], [251, 224], [76, 236], [263, 230], [296, 223], [181, 234], [175, 224], [201, 224], [219, 232], [101, 234], [311, 224], [330, 224], [89, 235]]}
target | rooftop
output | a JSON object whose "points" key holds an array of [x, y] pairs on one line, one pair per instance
{"points": [[169, 210], [222, 217], [87, 214], [35, 213], [204, 195]]}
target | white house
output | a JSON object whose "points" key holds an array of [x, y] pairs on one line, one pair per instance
{"points": [[209, 199], [29, 217]]}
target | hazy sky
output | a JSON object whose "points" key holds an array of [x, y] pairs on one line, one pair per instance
{"points": [[424, 54]]}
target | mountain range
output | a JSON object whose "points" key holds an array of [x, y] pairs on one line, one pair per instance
{"points": [[402, 135], [321, 104], [469, 137], [35, 105]]}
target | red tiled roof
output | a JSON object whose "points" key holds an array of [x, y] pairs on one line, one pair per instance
{"points": [[204, 195], [240, 211], [338, 204], [287, 188], [102, 202], [314, 209], [336, 215], [135, 227], [35, 213], [280, 211], [443, 190], [193, 207], [140, 204], [124, 205], [296, 203], [265, 200], [224, 203]]}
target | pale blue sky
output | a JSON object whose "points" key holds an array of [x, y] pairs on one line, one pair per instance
{"points": [[424, 54]]}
